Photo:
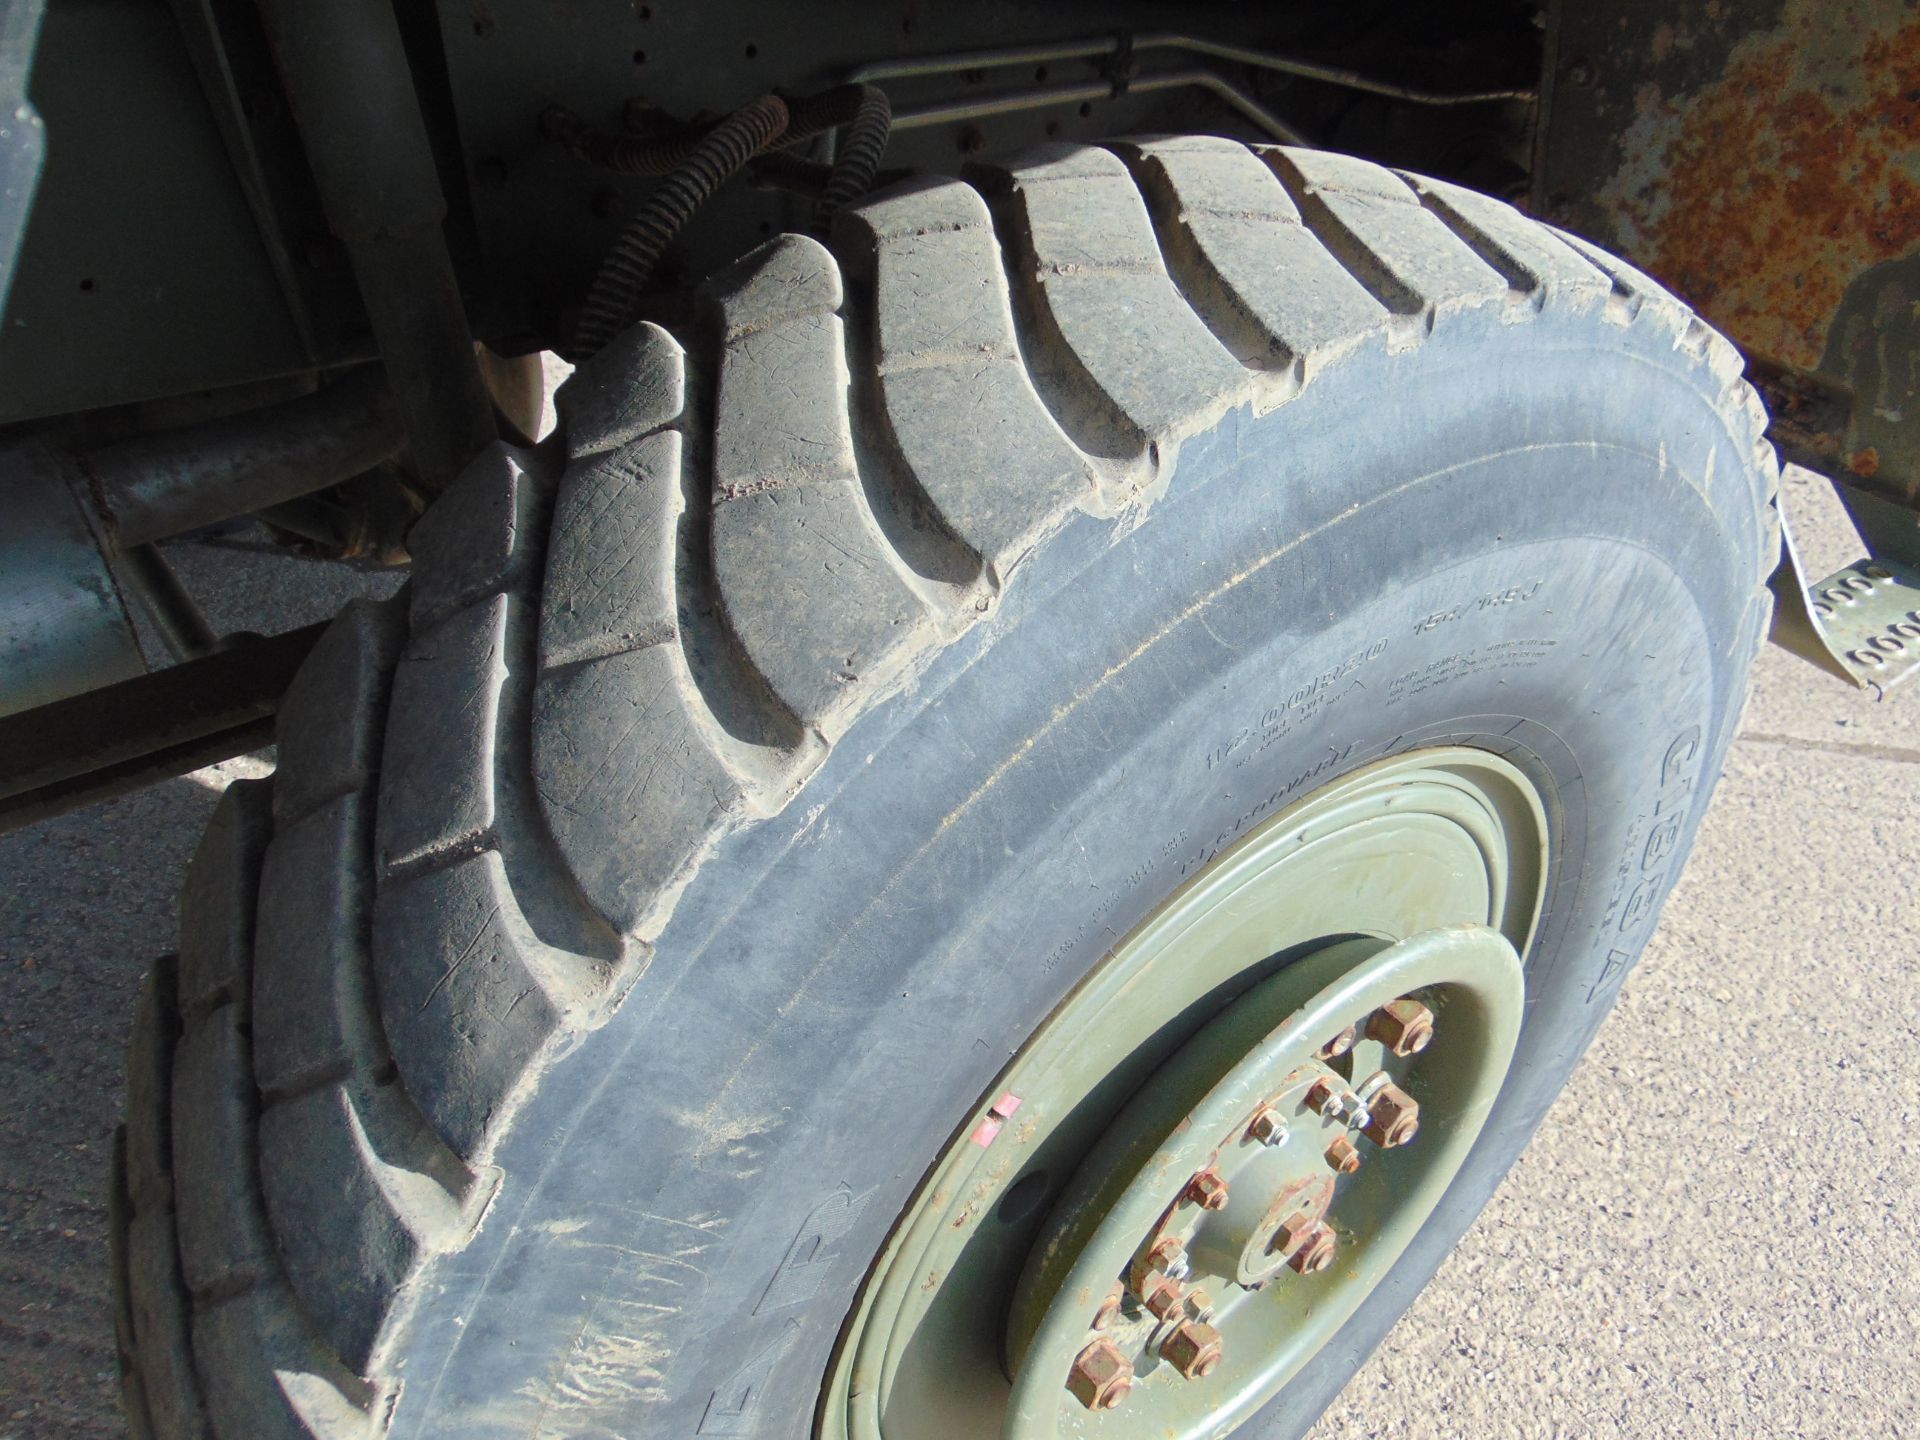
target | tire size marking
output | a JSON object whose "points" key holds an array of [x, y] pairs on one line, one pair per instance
{"points": [[1649, 861], [1241, 823], [1303, 704], [1512, 595], [1503, 655], [1096, 918]]}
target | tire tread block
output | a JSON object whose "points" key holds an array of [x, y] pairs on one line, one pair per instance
{"points": [[151, 1304], [156, 1028], [1090, 258], [161, 1327], [610, 566], [224, 1242], [216, 902], [626, 779], [311, 948], [1534, 262], [476, 542], [635, 385], [808, 582], [265, 1376], [945, 344], [328, 729], [356, 1197], [437, 780], [133, 1390], [1374, 223], [464, 1015], [1252, 267]]}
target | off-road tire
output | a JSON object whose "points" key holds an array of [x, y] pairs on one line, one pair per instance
{"points": [[555, 1034]]}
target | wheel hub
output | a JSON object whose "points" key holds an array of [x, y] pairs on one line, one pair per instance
{"points": [[1227, 1174]]}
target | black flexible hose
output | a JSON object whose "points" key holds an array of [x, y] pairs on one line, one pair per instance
{"points": [[811, 115], [622, 154], [613, 301], [862, 109], [860, 151], [807, 116]]}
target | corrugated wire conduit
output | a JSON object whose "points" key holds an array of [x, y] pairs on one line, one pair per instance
{"points": [[694, 167]]}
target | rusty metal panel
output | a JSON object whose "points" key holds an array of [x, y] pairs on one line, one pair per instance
{"points": [[1761, 158]]}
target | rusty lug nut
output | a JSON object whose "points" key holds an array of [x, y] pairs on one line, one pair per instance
{"points": [[1266, 1127], [1324, 1098], [1101, 1376], [1394, 1118], [1168, 1255], [1193, 1349], [1339, 1044], [1207, 1190], [1159, 1292], [1342, 1156], [1316, 1251], [1403, 1026], [1165, 1298]]}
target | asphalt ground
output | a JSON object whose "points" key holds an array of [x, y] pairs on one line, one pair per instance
{"points": [[1714, 1233]]}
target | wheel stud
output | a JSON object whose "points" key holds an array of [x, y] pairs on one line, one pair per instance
{"points": [[1109, 1310], [1101, 1376], [1193, 1349], [1266, 1127], [1403, 1026], [1207, 1190], [1394, 1117], [1316, 1251], [1342, 1155], [1339, 1044]]}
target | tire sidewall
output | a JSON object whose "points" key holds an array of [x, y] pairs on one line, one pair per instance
{"points": [[1540, 539]]}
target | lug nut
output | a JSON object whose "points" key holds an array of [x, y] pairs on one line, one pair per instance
{"points": [[1339, 1044], [1395, 1117], [1207, 1190], [1166, 1297], [1158, 1291], [1193, 1349], [1101, 1376], [1324, 1098], [1403, 1026], [1266, 1127], [1342, 1155], [1164, 1268], [1316, 1251]]}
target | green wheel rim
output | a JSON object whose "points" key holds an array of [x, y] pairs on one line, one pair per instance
{"points": [[1149, 1223]]}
